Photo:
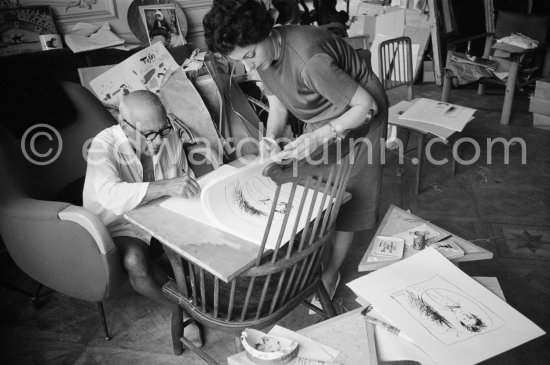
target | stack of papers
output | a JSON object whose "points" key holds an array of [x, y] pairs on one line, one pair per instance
{"points": [[86, 37], [401, 245], [441, 310], [437, 113], [519, 40], [489, 64]]}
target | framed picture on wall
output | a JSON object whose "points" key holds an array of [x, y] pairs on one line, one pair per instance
{"points": [[161, 24], [21, 28]]}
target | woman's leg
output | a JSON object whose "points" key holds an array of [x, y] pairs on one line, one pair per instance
{"points": [[341, 242]]}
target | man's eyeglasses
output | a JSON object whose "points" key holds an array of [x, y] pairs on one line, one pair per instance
{"points": [[151, 135]]}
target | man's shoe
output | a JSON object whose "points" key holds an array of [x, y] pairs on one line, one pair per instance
{"points": [[192, 332]]}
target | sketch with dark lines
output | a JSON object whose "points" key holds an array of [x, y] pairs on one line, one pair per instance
{"points": [[241, 202], [251, 199], [449, 314]]}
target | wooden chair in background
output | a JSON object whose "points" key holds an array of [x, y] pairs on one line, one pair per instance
{"points": [[395, 68], [533, 63], [395, 64]]}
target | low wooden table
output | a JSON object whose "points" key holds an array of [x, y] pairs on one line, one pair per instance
{"points": [[397, 220]]}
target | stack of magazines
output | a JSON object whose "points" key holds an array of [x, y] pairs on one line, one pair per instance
{"points": [[474, 60]]}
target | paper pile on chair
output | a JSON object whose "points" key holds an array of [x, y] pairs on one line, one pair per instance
{"points": [[86, 37], [519, 40]]}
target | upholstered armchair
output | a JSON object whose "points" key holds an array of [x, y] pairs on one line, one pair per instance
{"points": [[49, 236]]}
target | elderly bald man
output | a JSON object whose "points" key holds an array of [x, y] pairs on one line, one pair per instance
{"points": [[129, 164]]}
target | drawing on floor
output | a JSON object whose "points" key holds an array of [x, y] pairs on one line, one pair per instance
{"points": [[446, 312], [251, 199]]}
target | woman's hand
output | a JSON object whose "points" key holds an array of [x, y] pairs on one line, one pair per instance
{"points": [[306, 144], [268, 146]]}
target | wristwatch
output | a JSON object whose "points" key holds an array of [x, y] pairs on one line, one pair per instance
{"points": [[333, 133], [270, 139]]}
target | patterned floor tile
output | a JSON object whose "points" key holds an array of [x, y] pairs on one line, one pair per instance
{"points": [[524, 242]]}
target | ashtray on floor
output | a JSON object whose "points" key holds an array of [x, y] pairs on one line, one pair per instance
{"points": [[267, 349]]}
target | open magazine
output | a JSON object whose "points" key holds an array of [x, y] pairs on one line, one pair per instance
{"points": [[239, 201]]}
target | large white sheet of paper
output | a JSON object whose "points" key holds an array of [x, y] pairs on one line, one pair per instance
{"points": [[192, 208], [450, 116], [447, 314], [239, 201], [398, 348], [241, 204], [144, 70], [398, 109], [309, 348]]}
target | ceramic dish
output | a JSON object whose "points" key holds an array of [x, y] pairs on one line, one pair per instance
{"points": [[266, 349]]}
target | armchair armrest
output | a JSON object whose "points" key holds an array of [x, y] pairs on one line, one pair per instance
{"points": [[90, 223], [42, 210]]}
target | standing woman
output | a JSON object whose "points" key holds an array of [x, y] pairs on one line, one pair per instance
{"points": [[322, 81]]}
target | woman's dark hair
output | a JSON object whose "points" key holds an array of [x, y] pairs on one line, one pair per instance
{"points": [[233, 23]]}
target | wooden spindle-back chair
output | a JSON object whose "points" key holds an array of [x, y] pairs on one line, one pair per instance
{"points": [[280, 278], [395, 64]]}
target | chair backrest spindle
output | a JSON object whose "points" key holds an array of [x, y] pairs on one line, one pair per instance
{"points": [[395, 64], [282, 275]]}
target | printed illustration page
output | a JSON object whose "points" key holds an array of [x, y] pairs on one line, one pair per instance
{"points": [[435, 112], [242, 202], [397, 110], [444, 311], [144, 70]]}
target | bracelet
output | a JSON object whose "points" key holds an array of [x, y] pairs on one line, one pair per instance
{"points": [[333, 132], [270, 139]]}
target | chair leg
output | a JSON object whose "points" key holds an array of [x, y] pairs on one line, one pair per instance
{"points": [[419, 156], [510, 89], [104, 320], [203, 355], [453, 163], [481, 88], [34, 298], [177, 329], [445, 94]]}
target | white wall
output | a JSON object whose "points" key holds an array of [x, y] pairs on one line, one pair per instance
{"points": [[69, 12]]}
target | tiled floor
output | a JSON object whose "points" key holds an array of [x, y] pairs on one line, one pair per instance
{"points": [[504, 208]]}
